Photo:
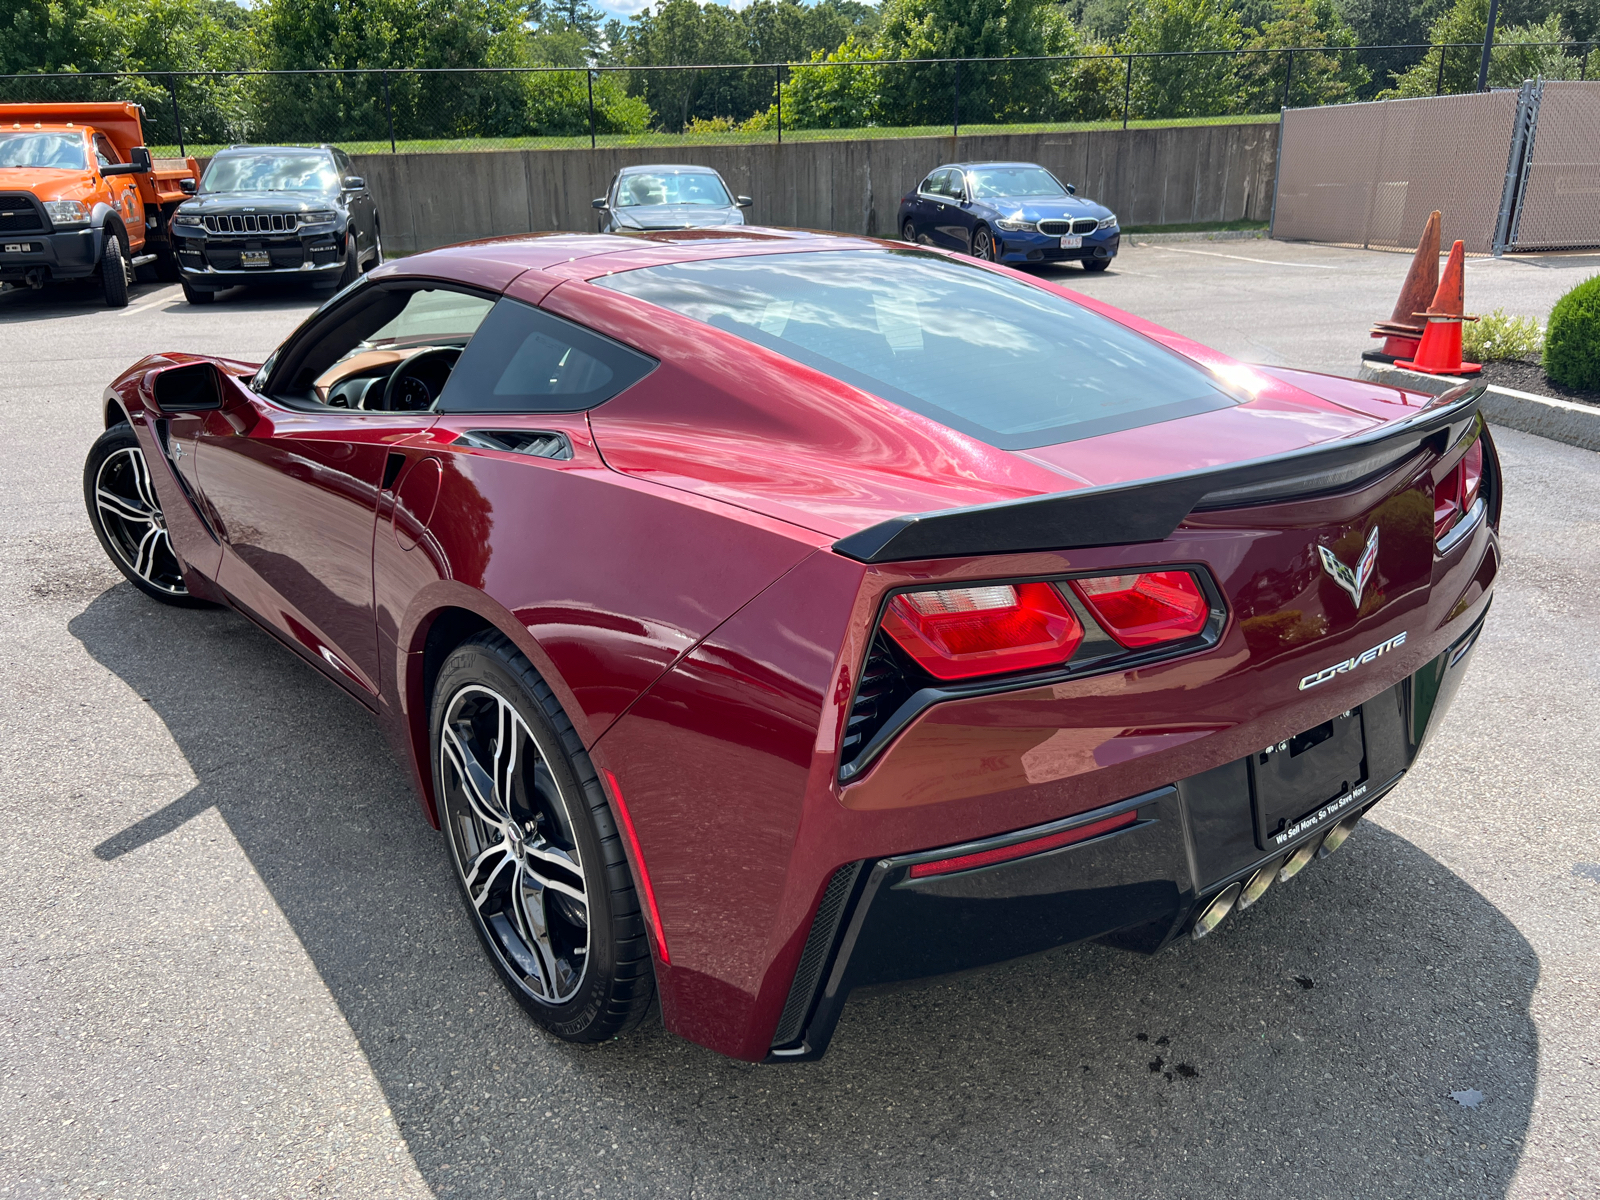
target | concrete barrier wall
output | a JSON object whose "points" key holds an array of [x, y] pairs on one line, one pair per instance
{"points": [[1147, 176]]}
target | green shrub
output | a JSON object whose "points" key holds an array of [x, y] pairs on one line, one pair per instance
{"points": [[1572, 341], [1498, 336]]}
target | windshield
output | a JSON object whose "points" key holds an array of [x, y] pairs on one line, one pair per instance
{"points": [[1013, 181], [63, 151], [270, 173], [1000, 359], [677, 187]]}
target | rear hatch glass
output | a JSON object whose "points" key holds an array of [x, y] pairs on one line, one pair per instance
{"points": [[996, 358]]}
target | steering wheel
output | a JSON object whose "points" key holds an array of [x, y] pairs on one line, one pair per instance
{"points": [[405, 391]]}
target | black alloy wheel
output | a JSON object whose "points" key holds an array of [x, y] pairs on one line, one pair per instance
{"points": [[538, 857], [127, 518], [983, 244], [114, 272], [908, 233]]}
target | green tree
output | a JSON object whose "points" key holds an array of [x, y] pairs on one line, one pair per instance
{"points": [[1313, 78], [1514, 58], [922, 94], [836, 97], [1202, 86], [1089, 88]]}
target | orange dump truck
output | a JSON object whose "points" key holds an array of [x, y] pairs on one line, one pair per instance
{"points": [[80, 196]]}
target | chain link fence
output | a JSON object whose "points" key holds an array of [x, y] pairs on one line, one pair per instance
{"points": [[1558, 204], [371, 111]]}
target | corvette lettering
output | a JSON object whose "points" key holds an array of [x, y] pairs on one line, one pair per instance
{"points": [[1350, 664]]}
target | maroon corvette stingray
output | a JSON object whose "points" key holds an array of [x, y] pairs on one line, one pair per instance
{"points": [[766, 614]]}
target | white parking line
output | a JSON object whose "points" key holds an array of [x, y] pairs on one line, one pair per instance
{"points": [[1271, 262], [161, 297]]}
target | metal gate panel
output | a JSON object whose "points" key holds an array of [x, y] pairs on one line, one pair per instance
{"points": [[1559, 207], [1369, 174]]}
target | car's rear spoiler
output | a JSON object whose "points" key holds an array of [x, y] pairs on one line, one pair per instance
{"points": [[1148, 510]]}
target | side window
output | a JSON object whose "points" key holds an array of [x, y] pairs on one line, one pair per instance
{"points": [[346, 168], [363, 339], [930, 185], [104, 152], [525, 360]]}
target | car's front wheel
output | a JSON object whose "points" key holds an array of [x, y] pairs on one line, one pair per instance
{"points": [[196, 295], [127, 518], [352, 263], [983, 244], [1096, 264], [538, 858]]}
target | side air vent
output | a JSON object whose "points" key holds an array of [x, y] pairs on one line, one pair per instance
{"points": [[885, 683], [819, 942], [536, 443]]}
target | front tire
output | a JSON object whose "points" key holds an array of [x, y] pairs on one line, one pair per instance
{"points": [[196, 295], [114, 272], [1096, 264], [127, 518], [352, 263], [983, 244], [540, 864]]}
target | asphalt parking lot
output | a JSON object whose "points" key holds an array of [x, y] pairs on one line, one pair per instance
{"points": [[234, 963]]}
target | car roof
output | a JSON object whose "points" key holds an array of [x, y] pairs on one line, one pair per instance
{"points": [[664, 169], [234, 150], [968, 166]]}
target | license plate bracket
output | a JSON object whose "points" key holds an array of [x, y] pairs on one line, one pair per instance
{"points": [[1320, 771], [255, 258], [1073, 241]]}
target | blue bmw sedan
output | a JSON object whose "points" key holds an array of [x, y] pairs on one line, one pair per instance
{"points": [[1011, 213]]}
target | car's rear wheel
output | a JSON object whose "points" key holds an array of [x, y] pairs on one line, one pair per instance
{"points": [[908, 233], [127, 518], [539, 860], [983, 244], [1096, 264], [114, 272], [377, 248]]}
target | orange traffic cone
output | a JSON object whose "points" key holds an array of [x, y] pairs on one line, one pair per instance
{"points": [[1440, 351], [1402, 331]]}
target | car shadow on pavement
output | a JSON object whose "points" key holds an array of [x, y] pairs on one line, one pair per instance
{"points": [[1311, 1044]]}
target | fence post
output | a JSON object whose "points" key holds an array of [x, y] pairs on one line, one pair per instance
{"points": [[1438, 89], [955, 116], [1127, 91], [388, 107], [1583, 63], [589, 75], [177, 123], [1288, 74], [778, 74], [1488, 45]]}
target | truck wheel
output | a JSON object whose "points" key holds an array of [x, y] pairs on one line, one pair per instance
{"points": [[114, 272], [195, 295]]}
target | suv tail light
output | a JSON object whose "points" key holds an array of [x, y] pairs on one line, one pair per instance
{"points": [[1147, 609], [1457, 492], [962, 633]]}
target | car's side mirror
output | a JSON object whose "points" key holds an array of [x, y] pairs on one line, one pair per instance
{"points": [[138, 164], [1072, 190], [194, 388], [354, 183], [743, 201], [598, 202], [188, 187]]}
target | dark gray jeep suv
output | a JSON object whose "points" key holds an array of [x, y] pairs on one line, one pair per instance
{"points": [[276, 213]]}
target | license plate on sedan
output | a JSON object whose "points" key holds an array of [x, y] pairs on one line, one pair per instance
{"points": [[1072, 242], [255, 258]]}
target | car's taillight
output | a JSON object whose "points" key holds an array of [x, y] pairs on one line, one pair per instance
{"points": [[1457, 492], [960, 633], [1147, 609]]}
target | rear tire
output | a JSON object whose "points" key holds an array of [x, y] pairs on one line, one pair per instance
{"points": [[114, 272], [127, 518], [908, 233], [1096, 264], [196, 295], [538, 857]]}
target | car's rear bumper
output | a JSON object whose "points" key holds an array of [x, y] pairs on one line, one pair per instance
{"points": [[70, 254], [1137, 886]]}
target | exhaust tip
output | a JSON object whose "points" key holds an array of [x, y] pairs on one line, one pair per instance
{"points": [[1215, 912], [1256, 886], [1338, 835], [1297, 861]]}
